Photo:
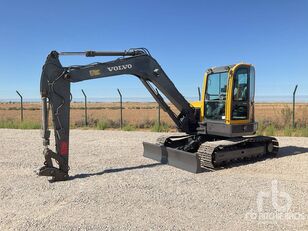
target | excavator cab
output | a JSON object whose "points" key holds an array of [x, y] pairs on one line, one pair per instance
{"points": [[227, 106]]}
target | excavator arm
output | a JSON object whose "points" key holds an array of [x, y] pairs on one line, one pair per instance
{"points": [[55, 92]]}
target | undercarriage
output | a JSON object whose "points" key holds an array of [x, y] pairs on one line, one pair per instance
{"points": [[197, 153]]}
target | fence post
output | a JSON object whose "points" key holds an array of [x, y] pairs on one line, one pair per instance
{"points": [[85, 107], [199, 93], [293, 121], [158, 113], [21, 106], [121, 115]]}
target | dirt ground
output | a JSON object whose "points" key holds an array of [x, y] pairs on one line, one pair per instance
{"points": [[113, 187]]}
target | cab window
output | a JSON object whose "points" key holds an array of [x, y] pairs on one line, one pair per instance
{"points": [[240, 94], [216, 96]]}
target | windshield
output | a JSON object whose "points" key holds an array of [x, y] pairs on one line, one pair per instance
{"points": [[216, 96]]}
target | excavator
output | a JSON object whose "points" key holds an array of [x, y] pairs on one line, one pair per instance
{"points": [[218, 129]]}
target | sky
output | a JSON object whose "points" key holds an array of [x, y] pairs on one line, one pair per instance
{"points": [[185, 37]]}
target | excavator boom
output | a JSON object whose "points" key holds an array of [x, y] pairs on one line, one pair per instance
{"points": [[55, 90]]}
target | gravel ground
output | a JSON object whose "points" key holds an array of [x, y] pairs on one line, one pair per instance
{"points": [[113, 187]]}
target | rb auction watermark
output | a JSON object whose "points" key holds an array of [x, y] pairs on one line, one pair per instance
{"points": [[280, 212]]}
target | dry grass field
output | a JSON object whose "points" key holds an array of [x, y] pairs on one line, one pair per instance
{"points": [[133, 112], [142, 115]]}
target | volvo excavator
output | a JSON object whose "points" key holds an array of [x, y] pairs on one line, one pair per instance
{"points": [[219, 129]]}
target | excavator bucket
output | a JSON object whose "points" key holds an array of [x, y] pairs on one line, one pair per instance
{"points": [[180, 159]]}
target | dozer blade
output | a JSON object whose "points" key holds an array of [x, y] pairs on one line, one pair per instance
{"points": [[174, 157]]}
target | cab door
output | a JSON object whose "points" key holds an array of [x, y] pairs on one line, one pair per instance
{"points": [[242, 103]]}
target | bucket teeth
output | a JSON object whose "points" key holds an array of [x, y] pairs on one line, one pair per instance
{"points": [[55, 173]]}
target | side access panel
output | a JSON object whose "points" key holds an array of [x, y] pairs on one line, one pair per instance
{"points": [[183, 160]]}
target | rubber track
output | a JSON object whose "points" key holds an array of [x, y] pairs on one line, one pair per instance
{"points": [[208, 150]]}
